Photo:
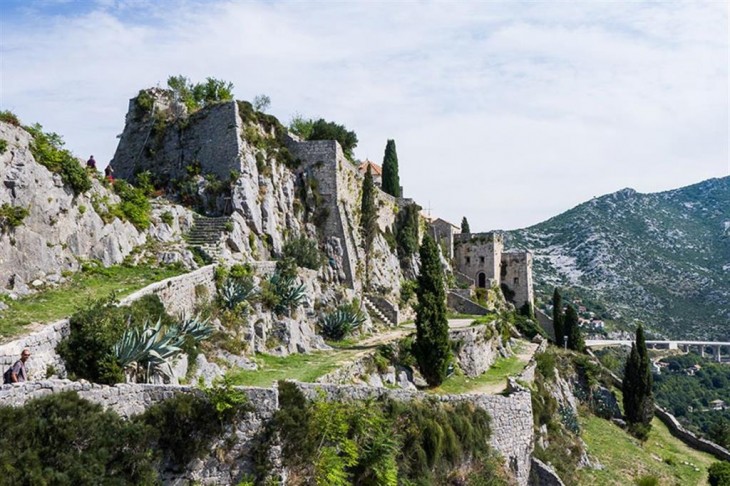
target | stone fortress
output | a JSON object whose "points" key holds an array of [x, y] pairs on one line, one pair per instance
{"points": [[219, 140]]}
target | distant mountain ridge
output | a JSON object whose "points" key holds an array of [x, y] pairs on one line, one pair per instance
{"points": [[661, 258]]}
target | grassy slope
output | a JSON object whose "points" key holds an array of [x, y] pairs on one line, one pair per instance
{"points": [[625, 459], [62, 301], [496, 375]]}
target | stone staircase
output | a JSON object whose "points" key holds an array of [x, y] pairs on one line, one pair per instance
{"points": [[375, 312], [206, 234]]}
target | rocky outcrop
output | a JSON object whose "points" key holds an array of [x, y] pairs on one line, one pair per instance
{"points": [[476, 348], [61, 228]]}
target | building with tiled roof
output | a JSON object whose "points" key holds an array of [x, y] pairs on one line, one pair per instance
{"points": [[375, 170]]}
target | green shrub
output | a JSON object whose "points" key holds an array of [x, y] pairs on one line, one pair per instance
{"points": [[167, 218], [8, 116], [324, 130], [63, 439], [304, 252], [11, 216], [719, 474], [3, 146], [545, 363], [381, 442], [647, 480], [47, 149], [144, 103], [134, 205], [96, 328]]}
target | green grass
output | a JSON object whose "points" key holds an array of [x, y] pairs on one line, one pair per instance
{"points": [[300, 367], [625, 459], [496, 375], [62, 301]]}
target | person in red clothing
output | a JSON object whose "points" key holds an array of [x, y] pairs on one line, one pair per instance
{"points": [[109, 173]]}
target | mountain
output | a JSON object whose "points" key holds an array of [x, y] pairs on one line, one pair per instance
{"points": [[663, 258]]}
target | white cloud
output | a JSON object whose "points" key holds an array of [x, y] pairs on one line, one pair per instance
{"points": [[506, 113]]}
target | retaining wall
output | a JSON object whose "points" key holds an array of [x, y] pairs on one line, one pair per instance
{"points": [[178, 294], [464, 305]]}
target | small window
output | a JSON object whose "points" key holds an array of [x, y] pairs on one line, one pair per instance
{"points": [[517, 280], [481, 259], [468, 260]]}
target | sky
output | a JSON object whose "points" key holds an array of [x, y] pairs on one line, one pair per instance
{"points": [[507, 113]]}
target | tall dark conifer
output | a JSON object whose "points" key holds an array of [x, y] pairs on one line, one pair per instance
{"points": [[431, 348], [637, 385], [465, 226], [368, 221], [572, 330], [558, 319], [391, 180]]}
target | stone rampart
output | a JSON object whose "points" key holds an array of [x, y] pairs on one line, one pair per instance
{"points": [[512, 432], [463, 305], [546, 323], [233, 456], [178, 295], [42, 345]]}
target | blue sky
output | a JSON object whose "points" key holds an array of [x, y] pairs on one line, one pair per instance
{"points": [[507, 113]]}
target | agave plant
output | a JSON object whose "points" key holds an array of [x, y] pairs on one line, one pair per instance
{"points": [[235, 291], [290, 294], [340, 323], [150, 348], [195, 327]]}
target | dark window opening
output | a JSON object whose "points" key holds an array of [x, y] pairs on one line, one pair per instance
{"points": [[482, 280]]}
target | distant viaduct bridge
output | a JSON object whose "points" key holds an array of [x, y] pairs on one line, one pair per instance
{"points": [[713, 347]]}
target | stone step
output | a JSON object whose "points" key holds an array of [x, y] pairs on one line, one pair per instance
{"points": [[378, 313]]}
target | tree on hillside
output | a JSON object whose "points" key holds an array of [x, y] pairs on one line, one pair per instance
{"points": [[558, 318], [195, 96], [324, 130], [261, 102], [368, 221], [637, 387], [465, 226], [391, 180], [431, 347], [406, 231], [572, 330]]}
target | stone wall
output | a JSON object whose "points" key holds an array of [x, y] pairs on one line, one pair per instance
{"points": [[178, 294], [231, 455], [42, 345], [463, 305], [516, 273], [546, 323], [512, 432]]}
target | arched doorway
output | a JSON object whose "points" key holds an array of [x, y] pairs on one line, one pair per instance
{"points": [[482, 280]]}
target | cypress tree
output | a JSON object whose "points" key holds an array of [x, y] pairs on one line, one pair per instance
{"points": [[431, 348], [571, 328], [391, 180], [368, 220], [637, 383], [465, 226], [558, 318]]}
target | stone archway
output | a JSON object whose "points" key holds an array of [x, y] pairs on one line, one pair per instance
{"points": [[482, 280]]}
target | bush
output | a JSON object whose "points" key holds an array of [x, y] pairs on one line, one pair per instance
{"points": [[304, 252], [96, 328], [647, 480], [382, 442], [8, 116], [546, 364], [324, 130], [3, 146], [11, 216], [167, 218], [47, 149], [134, 205], [719, 474], [63, 439]]}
